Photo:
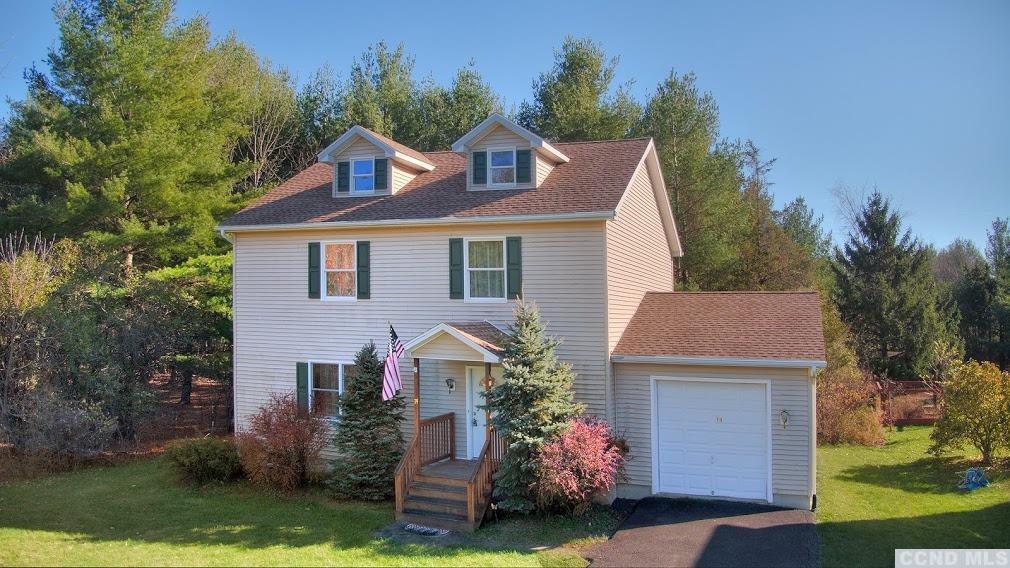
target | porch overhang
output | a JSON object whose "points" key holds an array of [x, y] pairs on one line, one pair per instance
{"points": [[459, 341]]}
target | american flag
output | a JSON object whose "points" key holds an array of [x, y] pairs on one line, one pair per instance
{"points": [[391, 383]]}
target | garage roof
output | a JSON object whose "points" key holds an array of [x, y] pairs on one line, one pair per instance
{"points": [[773, 326]]}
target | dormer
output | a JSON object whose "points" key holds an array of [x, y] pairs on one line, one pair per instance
{"points": [[503, 155], [366, 164]]}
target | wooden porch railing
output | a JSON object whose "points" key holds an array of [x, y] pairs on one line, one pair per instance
{"points": [[478, 488], [435, 440]]}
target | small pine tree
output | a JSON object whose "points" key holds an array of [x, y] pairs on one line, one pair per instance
{"points": [[368, 436], [533, 405]]}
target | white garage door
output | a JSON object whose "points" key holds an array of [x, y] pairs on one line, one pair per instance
{"points": [[712, 438]]}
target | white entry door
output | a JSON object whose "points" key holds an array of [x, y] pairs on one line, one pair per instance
{"points": [[712, 438], [475, 416]]}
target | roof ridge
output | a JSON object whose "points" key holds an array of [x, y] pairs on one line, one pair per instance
{"points": [[635, 139], [605, 141]]}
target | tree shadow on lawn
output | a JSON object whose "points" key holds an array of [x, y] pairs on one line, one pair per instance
{"points": [[143, 503], [872, 542], [924, 475]]}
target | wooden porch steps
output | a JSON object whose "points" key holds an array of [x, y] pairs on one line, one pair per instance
{"points": [[436, 489], [437, 497], [427, 489]]}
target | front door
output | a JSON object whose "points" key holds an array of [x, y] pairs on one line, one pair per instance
{"points": [[476, 418]]}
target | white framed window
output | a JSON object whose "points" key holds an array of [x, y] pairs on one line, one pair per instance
{"points": [[363, 175], [326, 386], [340, 270], [485, 278], [501, 167]]}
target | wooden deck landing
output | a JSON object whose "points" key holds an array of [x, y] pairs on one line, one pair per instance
{"points": [[451, 469]]}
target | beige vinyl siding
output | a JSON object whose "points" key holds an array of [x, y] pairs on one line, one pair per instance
{"points": [[497, 137], [277, 325], [360, 148], [401, 176], [448, 347], [790, 391], [638, 254], [357, 149], [544, 167]]}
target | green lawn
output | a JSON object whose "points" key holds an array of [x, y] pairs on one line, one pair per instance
{"points": [[137, 514], [870, 501], [873, 500]]}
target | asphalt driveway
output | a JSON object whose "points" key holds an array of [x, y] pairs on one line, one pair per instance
{"points": [[695, 532]]}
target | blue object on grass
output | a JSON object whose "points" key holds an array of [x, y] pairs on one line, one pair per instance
{"points": [[974, 479]]}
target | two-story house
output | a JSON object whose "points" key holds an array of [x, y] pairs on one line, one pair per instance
{"points": [[714, 392]]}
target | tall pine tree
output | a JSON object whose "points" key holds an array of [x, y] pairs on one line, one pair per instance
{"points": [[127, 139], [886, 293], [532, 405], [574, 101], [368, 436]]}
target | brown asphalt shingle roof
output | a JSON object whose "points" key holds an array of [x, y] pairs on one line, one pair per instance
{"points": [[483, 333], [399, 147], [745, 325], [592, 181]]}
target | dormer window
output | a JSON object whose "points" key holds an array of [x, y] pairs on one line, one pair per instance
{"points": [[363, 175], [502, 167]]}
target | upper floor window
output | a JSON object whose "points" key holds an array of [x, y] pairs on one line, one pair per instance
{"points": [[326, 387], [363, 175], [340, 270], [502, 167], [485, 269]]}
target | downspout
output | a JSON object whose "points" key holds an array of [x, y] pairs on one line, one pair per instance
{"points": [[234, 328], [813, 438]]}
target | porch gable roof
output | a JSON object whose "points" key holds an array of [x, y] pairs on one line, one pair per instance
{"points": [[481, 337]]}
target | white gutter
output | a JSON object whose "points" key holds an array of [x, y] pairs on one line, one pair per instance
{"points": [[811, 365], [224, 235], [588, 216]]}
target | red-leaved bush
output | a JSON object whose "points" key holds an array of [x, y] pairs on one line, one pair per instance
{"points": [[281, 446], [581, 463]]}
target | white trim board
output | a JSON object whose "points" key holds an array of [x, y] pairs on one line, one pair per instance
{"points": [[587, 216], [654, 418], [809, 364]]}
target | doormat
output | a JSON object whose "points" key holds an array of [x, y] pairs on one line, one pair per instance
{"points": [[425, 531]]}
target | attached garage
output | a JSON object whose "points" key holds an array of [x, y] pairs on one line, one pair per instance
{"points": [[712, 437], [715, 394]]}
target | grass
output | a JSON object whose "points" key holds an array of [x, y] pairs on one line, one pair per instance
{"points": [[138, 514], [873, 500]]}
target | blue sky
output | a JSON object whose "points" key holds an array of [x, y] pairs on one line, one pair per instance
{"points": [[911, 97]]}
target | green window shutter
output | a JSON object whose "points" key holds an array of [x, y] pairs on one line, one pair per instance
{"points": [[343, 177], [302, 386], [456, 269], [523, 166], [514, 266], [364, 270], [479, 168], [381, 173], [314, 274]]}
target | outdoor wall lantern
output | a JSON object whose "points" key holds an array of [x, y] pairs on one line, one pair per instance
{"points": [[784, 418], [450, 383]]}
